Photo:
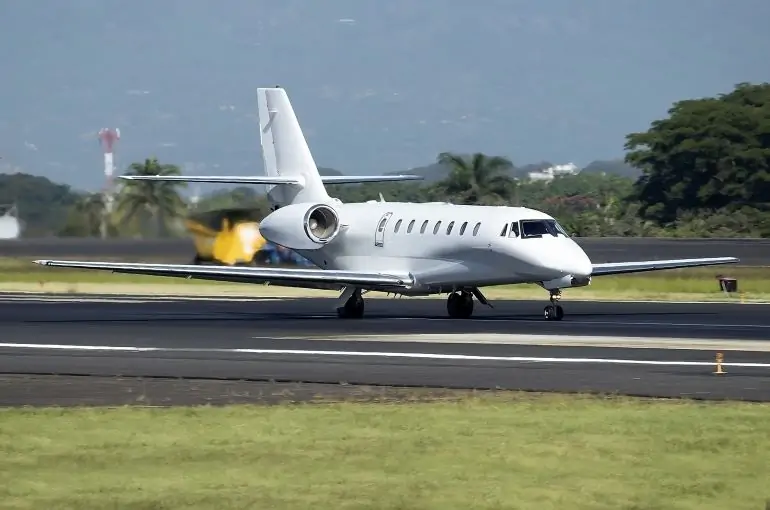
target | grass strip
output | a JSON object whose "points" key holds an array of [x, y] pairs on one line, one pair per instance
{"points": [[505, 451]]}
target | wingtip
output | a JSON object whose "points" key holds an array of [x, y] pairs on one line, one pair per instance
{"points": [[41, 262]]}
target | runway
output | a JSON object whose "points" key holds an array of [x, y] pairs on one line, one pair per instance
{"points": [[216, 350]]}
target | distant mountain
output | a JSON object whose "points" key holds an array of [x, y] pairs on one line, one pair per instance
{"points": [[435, 172], [328, 171]]}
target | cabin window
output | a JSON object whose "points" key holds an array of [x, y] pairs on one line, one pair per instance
{"points": [[449, 228], [514, 229], [476, 228], [438, 226], [398, 226], [502, 234], [410, 227], [462, 229], [382, 224], [424, 226]]}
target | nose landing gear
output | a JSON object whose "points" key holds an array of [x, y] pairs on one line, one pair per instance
{"points": [[554, 312]]}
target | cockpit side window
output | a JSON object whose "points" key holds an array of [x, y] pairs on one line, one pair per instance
{"points": [[514, 229], [559, 228], [540, 228], [505, 230]]}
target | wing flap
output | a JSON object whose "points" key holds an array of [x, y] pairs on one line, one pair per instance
{"points": [[657, 265], [309, 278]]}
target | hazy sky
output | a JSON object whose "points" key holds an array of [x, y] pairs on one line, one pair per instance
{"points": [[377, 85]]}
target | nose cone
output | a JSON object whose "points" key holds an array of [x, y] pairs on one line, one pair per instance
{"points": [[574, 260]]}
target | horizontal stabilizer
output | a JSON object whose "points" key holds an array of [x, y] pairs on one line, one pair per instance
{"points": [[350, 179], [657, 265], [229, 179], [308, 278], [270, 179]]}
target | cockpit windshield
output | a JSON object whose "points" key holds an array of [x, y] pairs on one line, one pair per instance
{"points": [[540, 228]]}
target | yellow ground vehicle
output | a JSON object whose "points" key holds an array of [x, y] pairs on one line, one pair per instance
{"points": [[227, 236]]}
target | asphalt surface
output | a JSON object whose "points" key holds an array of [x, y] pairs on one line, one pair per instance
{"points": [[752, 252], [165, 350]]}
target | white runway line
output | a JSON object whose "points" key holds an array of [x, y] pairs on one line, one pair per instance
{"points": [[364, 354], [524, 339], [578, 321]]}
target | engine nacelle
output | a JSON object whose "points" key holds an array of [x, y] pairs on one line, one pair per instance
{"points": [[322, 224], [566, 282], [302, 226]]}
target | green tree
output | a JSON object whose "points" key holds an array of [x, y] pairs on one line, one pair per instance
{"points": [[42, 204], [160, 199], [478, 179], [709, 154], [91, 209]]}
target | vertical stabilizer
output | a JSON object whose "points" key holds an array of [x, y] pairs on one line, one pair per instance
{"points": [[285, 152]]}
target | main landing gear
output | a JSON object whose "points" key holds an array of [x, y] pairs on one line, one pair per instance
{"points": [[354, 305], [554, 312], [459, 305]]}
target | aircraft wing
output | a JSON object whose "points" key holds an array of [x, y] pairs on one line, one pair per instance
{"points": [[285, 277], [657, 265]]}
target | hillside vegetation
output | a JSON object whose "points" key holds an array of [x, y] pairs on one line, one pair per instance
{"points": [[704, 171]]}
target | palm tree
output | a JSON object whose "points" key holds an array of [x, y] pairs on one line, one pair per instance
{"points": [[478, 179], [157, 198]]}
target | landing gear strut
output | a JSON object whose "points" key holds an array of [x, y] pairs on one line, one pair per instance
{"points": [[554, 312], [460, 305], [353, 307]]}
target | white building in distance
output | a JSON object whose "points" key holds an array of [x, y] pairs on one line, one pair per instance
{"points": [[549, 173], [10, 227]]}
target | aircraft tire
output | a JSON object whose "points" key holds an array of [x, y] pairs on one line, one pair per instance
{"points": [[460, 305], [553, 313], [353, 309]]}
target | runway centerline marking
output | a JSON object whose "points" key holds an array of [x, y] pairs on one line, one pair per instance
{"points": [[365, 354], [580, 322]]}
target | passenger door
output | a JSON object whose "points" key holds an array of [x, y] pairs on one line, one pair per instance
{"points": [[379, 234]]}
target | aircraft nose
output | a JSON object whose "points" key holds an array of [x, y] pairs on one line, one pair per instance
{"points": [[576, 262]]}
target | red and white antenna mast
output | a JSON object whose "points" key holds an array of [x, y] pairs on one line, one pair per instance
{"points": [[108, 138]]}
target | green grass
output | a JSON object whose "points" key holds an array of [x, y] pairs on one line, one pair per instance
{"points": [[676, 284], [547, 452]]}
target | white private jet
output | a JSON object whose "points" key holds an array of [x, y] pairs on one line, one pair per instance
{"points": [[406, 249]]}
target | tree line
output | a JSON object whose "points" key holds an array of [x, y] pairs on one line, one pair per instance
{"points": [[704, 172]]}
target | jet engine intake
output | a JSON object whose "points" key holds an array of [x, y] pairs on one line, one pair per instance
{"points": [[322, 224]]}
